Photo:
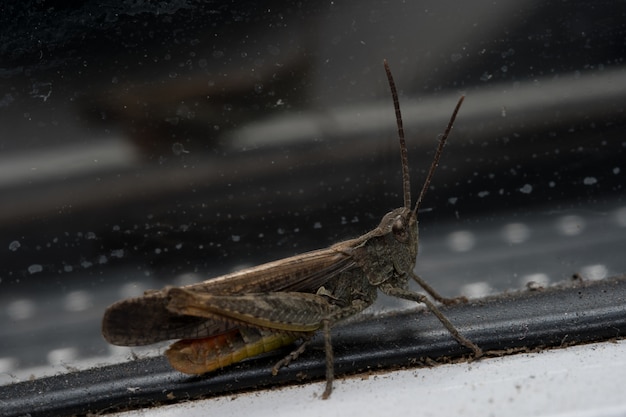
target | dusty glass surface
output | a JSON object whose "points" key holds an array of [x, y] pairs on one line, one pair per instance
{"points": [[144, 145]]}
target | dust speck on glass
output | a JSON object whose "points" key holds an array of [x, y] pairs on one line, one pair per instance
{"points": [[151, 144]]}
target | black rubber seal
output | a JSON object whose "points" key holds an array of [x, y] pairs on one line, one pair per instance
{"points": [[579, 312]]}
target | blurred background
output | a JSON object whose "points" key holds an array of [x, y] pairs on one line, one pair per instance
{"points": [[150, 144]]}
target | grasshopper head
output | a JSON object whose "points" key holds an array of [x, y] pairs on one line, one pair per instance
{"points": [[392, 249], [401, 223], [399, 227]]}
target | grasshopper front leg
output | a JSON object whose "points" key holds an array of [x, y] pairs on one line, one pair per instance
{"points": [[433, 293], [421, 298]]}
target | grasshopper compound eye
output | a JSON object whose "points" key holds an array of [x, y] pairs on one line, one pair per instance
{"points": [[399, 230]]}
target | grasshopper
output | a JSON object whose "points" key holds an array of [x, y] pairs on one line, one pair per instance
{"points": [[243, 314]]}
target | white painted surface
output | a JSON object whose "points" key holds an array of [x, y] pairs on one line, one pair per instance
{"points": [[578, 381]]}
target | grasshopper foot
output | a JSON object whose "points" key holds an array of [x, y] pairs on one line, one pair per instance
{"points": [[453, 301]]}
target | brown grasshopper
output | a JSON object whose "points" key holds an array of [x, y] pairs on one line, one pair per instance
{"points": [[240, 315]]}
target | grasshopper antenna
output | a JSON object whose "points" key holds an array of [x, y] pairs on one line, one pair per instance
{"points": [[403, 152], [433, 165], [406, 181]]}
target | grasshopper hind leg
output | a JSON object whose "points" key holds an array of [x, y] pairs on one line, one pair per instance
{"points": [[330, 374], [293, 355]]}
